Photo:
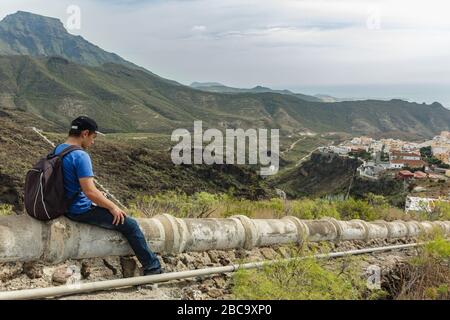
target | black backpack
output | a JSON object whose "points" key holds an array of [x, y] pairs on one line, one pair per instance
{"points": [[44, 187]]}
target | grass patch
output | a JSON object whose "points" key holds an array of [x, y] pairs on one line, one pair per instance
{"points": [[6, 209], [304, 279], [222, 205]]}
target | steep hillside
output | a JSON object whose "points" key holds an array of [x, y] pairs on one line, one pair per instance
{"points": [[127, 167], [26, 33], [331, 175], [320, 176]]}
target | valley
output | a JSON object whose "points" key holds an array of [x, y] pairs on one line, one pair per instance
{"points": [[349, 175]]}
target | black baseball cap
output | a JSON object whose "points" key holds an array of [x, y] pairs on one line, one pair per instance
{"points": [[85, 123]]}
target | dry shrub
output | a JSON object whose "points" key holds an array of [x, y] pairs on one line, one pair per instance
{"points": [[426, 276]]}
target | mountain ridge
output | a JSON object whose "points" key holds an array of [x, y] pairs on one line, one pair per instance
{"points": [[127, 100], [221, 88], [45, 79]]}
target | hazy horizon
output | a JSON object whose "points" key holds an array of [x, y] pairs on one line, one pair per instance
{"points": [[415, 93]]}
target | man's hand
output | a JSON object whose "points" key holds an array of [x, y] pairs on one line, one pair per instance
{"points": [[119, 215], [96, 196]]}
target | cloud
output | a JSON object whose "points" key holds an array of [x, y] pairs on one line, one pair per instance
{"points": [[198, 28]]}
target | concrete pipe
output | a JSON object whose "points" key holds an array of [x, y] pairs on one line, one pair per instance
{"points": [[427, 227], [322, 230], [275, 231], [414, 228], [23, 238], [443, 226], [377, 231], [353, 230]]}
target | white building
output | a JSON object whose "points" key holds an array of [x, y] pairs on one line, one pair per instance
{"points": [[404, 156], [420, 204], [394, 165], [340, 149]]}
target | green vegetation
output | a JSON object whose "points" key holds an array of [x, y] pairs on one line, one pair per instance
{"points": [[314, 209], [384, 156], [362, 154], [372, 208], [203, 204], [6, 209], [299, 147], [303, 278], [357, 209], [319, 176], [440, 211], [425, 276], [438, 248], [427, 154]]}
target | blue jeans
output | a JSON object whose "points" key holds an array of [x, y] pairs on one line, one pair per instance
{"points": [[101, 217]]}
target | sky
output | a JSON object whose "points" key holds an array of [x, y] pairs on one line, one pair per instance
{"points": [[346, 48]]}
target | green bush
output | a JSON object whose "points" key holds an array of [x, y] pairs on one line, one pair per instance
{"points": [[6, 209], [300, 279], [314, 209], [427, 275], [238, 207], [438, 248], [355, 209], [203, 204], [441, 211]]}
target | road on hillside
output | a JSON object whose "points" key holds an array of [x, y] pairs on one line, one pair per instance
{"points": [[293, 145], [309, 154]]}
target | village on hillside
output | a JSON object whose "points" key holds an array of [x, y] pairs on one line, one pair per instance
{"points": [[423, 166]]}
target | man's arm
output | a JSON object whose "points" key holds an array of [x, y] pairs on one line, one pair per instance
{"points": [[90, 190]]}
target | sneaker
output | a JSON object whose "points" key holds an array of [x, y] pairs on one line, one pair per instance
{"points": [[153, 271]]}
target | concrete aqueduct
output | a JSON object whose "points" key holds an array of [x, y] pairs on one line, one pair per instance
{"points": [[25, 239]]}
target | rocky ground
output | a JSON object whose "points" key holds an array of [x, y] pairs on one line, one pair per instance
{"points": [[15, 276]]}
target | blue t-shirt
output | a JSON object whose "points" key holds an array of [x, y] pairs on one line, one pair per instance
{"points": [[77, 164]]}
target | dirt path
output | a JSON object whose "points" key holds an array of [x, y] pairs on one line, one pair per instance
{"points": [[293, 145], [309, 154]]}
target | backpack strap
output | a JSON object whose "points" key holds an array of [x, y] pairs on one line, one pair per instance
{"points": [[63, 153], [68, 150]]}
